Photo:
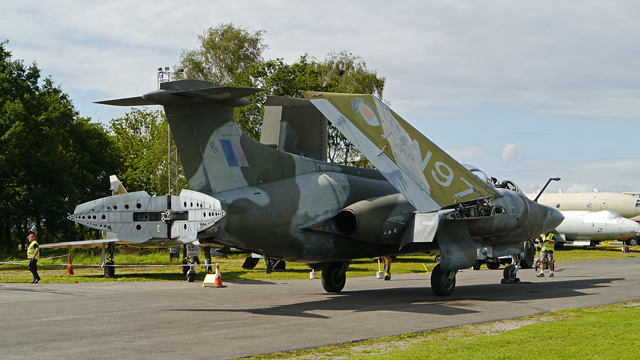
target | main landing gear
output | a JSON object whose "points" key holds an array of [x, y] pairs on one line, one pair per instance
{"points": [[443, 282], [108, 261], [334, 276]]}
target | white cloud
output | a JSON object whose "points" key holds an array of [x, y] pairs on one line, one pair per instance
{"points": [[511, 153], [481, 74]]}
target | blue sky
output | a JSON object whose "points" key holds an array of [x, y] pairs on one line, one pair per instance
{"points": [[525, 90]]}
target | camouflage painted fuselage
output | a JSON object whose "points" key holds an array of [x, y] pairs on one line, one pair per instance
{"points": [[298, 209]]}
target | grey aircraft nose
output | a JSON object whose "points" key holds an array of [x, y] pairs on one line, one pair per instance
{"points": [[554, 219]]}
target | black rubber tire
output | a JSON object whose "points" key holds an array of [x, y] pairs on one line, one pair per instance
{"points": [[529, 256], [476, 265], [333, 277], [191, 276], [493, 265], [633, 241], [443, 283], [109, 271], [510, 273]]}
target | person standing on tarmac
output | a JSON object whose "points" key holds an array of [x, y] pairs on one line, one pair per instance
{"points": [[33, 254], [546, 253], [386, 260]]}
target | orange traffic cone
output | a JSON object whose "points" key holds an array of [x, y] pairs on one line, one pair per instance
{"points": [[218, 279], [69, 266]]}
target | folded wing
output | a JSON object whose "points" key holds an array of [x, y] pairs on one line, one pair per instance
{"points": [[426, 175]]}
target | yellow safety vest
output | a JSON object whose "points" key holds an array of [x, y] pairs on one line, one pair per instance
{"points": [[31, 251], [546, 244]]}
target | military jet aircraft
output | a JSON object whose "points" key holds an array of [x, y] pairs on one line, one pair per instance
{"points": [[625, 204], [294, 208], [593, 226]]}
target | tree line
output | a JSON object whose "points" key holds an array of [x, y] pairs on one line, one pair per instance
{"points": [[52, 159]]}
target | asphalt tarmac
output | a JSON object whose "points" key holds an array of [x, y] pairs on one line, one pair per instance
{"points": [[175, 320]]}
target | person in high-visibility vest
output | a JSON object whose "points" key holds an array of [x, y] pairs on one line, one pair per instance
{"points": [[33, 254], [386, 261], [546, 253]]}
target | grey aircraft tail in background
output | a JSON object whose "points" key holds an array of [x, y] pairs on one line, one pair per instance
{"points": [[294, 208]]}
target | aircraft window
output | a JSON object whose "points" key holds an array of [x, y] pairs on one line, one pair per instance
{"points": [[478, 173], [589, 205], [508, 184], [558, 206]]}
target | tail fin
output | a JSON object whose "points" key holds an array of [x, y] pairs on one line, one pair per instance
{"points": [[216, 155], [116, 186]]}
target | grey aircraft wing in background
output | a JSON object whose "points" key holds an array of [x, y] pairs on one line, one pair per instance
{"points": [[295, 208]]}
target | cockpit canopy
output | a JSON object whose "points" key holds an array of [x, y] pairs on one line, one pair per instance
{"points": [[493, 182]]}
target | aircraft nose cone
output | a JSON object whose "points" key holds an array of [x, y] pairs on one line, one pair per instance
{"points": [[554, 219]]}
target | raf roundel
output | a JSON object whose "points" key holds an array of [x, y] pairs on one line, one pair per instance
{"points": [[368, 114]]}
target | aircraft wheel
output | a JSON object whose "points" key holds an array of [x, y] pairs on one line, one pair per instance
{"points": [[109, 271], [443, 282], [334, 276], [191, 276], [510, 273], [476, 265], [633, 242], [493, 265], [438, 258], [529, 256]]}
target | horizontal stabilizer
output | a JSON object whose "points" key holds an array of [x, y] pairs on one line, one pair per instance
{"points": [[184, 92], [132, 101], [220, 93]]}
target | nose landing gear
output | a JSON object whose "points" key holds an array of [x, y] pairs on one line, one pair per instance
{"points": [[510, 274]]}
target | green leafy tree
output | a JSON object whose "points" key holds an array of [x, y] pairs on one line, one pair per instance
{"points": [[141, 137], [50, 158], [341, 72], [224, 51], [232, 56]]}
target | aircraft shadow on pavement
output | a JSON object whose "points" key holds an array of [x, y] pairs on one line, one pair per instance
{"points": [[422, 300]]}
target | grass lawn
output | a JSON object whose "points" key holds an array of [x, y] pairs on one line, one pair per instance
{"points": [[602, 332], [154, 265]]}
